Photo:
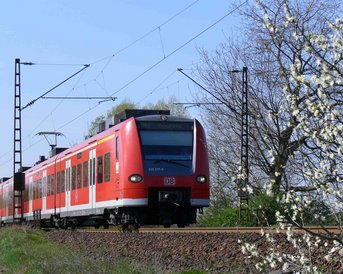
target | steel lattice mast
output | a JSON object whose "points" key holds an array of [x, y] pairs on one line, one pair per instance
{"points": [[18, 176]]}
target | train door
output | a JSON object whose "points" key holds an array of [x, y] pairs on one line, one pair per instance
{"points": [[1, 204], [117, 160], [92, 183], [7, 197], [30, 193], [68, 165], [44, 191]]}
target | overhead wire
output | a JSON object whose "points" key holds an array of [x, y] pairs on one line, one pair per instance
{"points": [[54, 87], [57, 105], [109, 58], [48, 115], [161, 83], [147, 33], [179, 48], [169, 85], [167, 56], [156, 63]]}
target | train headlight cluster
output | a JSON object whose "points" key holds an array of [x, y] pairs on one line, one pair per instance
{"points": [[135, 178], [201, 179]]}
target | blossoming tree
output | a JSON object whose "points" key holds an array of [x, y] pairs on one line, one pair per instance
{"points": [[294, 52]]}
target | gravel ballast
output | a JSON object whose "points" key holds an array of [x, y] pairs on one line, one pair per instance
{"points": [[174, 252]]}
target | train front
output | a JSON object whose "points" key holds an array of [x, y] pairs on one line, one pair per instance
{"points": [[176, 171]]}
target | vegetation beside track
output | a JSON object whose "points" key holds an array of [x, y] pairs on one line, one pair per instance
{"points": [[24, 250]]}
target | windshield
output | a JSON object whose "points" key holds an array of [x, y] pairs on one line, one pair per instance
{"points": [[168, 149]]}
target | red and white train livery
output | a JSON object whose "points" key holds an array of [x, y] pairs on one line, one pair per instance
{"points": [[148, 170]]}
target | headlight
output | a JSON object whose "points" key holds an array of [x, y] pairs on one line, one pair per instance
{"points": [[135, 178], [201, 179]]}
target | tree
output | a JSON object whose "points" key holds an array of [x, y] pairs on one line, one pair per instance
{"points": [[126, 104], [269, 54], [293, 50], [176, 110]]}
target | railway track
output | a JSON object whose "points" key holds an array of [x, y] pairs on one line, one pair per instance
{"points": [[331, 229]]}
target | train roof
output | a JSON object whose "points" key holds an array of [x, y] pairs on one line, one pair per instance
{"points": [[163, 118], [157, 115]]}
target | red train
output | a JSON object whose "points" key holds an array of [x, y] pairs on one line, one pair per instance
{"points": [[145, 170]]}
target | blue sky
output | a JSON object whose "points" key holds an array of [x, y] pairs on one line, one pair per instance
{"points": [[90, 32]]}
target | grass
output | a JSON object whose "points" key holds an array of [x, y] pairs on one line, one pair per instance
{"points": [[27, 251]]}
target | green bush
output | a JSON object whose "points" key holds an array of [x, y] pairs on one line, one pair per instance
{"points": [[264, 208], [261, 211], [222, 217]]}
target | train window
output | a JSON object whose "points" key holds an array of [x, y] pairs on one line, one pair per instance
{"points": [[68, 179], [40, 188], [48, 186], [85, 173], [73, 177], [44, 186], [167, 147], [62, 180], [58, 182], [117, 148], [107, 167], [100, 171], [79, 175], [52, 184], [34, 190], [93, 168]]}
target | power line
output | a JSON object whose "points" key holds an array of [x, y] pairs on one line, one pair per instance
{"points": [[156, 88], [56, 107], [79, 97], [161, 60], [110, 57], [152, 66], [147, 33], [179, 48], [59, 84], [43, 120]]}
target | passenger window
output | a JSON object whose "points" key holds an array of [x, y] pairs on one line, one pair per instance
{"points": [[34, 190], [52, 184], [85, 174], [79, 175], [117, 148], [93, 168], [62, 180], [40, 188], [48, 186], [100, 172], [58, 182], [73, 177], [107, 167]]}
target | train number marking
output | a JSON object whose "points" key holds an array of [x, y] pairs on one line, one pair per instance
{"points": [[169, 181]]}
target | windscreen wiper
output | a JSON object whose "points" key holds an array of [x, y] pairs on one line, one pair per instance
{"points": [[170, 162]]}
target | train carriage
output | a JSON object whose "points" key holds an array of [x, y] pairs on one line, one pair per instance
{"points": [[145, 170]]}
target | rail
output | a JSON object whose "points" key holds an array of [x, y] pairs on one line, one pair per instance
{"points": [[313, 229]]}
